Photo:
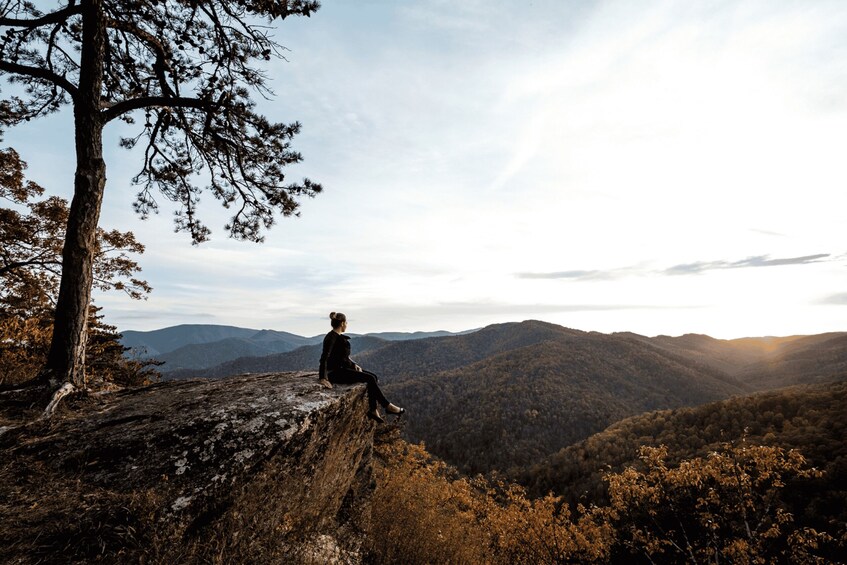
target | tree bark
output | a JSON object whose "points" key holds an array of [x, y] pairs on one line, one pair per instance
{"points": [[66, 360]]}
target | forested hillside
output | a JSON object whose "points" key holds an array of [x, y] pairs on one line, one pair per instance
{"points": [[406, 360], [811, 419], [753, 479], [511, 409]]}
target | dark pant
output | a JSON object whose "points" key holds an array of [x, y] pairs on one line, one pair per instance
{"points": [[351, 376]]}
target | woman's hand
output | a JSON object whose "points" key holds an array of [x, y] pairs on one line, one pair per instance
{"points": [[325, 383], [357, 367]]}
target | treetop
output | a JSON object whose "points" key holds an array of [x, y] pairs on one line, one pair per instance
{"points": [[185, 71]]}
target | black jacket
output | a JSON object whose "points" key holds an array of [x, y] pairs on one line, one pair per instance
{"points": [[335, 354]]}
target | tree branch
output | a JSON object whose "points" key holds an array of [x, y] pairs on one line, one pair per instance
{"points": [[43, 74], [155, 101], [155, 44], [18, 264], [52, 18]]}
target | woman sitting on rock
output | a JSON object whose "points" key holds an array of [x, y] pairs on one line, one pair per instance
{"points": [[337, 367]]}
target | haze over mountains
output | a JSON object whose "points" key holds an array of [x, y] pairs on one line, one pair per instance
{"points": [[198, 346], [507, 396], [767, 362]]}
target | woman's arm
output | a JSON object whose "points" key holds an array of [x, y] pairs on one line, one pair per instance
{"points": [[329, 341]]}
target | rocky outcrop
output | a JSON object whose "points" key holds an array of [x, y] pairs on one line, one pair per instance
{"points": [[258, 468]]}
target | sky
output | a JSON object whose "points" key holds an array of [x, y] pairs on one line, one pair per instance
{"points": [[654, 167]]}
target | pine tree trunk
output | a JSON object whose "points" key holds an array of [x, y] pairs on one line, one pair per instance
{"points": [[66, 360]]}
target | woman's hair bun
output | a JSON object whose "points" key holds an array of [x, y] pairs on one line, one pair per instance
{"points": [[332, 315]]}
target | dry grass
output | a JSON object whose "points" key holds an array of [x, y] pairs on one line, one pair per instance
{"points": [[47, 517], [54, 510]]}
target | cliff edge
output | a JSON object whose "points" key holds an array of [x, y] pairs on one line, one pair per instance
{"points": [[266, 468]]}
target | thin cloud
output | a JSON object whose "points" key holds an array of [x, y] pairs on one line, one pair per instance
{"points": [[759, 261], [839, 299], [767, 232], [581, 275], [137, 315], [576, 275], [682, 269]]}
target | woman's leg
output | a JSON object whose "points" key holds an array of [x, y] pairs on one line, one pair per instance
{"points": [[373, 388], [350, 376]]}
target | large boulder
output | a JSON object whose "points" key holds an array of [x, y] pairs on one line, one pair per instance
{"points": [[266, 468]]}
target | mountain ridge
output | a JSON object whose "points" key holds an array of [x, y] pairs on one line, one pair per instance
{"points": [[200, 346], [305, 358], [550, 393], [155, 342], [537, 387]]}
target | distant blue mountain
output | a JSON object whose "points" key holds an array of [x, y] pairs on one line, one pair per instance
{"points": [[157, 342], [198, 346], [405, 336], [203, 355], [304, 358]]}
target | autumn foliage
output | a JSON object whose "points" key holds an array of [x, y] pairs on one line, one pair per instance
{"points": [[723, 508], [31, 238]]}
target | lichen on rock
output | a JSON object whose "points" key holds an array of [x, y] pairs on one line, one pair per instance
{"points": [[247, 469]]}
